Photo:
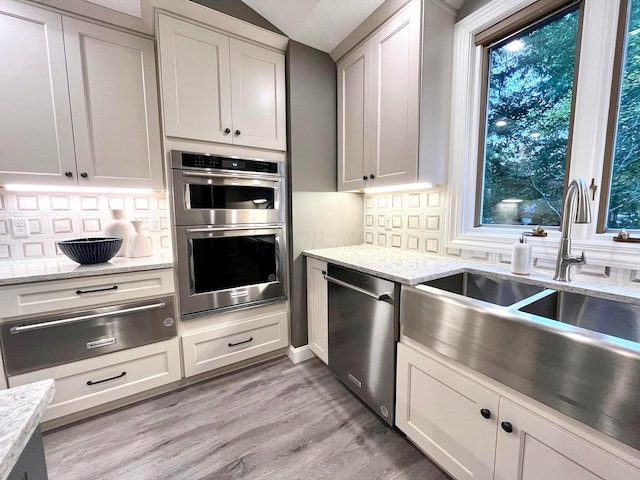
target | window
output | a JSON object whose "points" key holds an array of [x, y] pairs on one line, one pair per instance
{"points": [[621, 196], [597, 25], [527, 99]]}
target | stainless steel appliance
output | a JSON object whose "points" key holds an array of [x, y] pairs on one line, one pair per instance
{"points": [[41, 342], [363, 331], [230, 232], [215, 190]]}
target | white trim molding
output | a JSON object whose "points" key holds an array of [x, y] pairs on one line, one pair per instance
{"points": [[299, 354], [593, 89]]}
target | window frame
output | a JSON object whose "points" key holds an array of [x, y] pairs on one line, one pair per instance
{"points": [[612, 123], [593, 91], [536, 14]]}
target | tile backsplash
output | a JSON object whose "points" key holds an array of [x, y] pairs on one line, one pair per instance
{"points": [[412, 220], [60, 216]]}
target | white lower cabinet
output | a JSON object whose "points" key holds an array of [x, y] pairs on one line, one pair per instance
{"points": [[440, 411], [38, 298], [464, 427], [98, 380], [317, 309], [230, 339], [539, 449]]}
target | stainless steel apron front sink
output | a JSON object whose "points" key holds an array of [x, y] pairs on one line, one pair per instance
{"points": [[575, 353]]}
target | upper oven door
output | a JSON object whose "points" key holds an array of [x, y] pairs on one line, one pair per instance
{"points": [[208, 198], [230, 266]]}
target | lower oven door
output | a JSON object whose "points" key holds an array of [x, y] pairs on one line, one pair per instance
{"points": [[227, 267]]}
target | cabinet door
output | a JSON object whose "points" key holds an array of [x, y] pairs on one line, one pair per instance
{"points": [[538, 449], [116, 125], [258, 96], [440, 411], [354, 118], [195, 77], [395, 81], [318, 309], [36, 138]]}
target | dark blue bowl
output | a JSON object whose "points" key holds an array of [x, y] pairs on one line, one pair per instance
{"points": [[91, 250]]}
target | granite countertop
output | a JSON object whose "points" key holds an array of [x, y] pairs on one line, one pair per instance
{"points": [[21, 409], [412, 268], [26, 271]]}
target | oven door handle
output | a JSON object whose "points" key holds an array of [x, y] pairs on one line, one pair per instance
{"points": [[381, 297], [57, 323], [262, 226], [231, 176]]}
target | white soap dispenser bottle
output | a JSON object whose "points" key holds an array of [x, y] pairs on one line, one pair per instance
{"points": [[521, 259]]}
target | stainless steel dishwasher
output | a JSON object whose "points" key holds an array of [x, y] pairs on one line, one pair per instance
{"points": [[363, 331]]}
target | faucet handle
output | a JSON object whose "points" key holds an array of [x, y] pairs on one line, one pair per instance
{"points": [[582, 259]]}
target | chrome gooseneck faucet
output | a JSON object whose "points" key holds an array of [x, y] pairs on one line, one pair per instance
{"points": [[577, 209]]}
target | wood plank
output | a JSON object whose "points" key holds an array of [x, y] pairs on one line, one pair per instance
{"points": [[275, 420]]}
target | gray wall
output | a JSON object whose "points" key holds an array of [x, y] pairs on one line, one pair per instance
{"points": [[319, 216], [469, 7], [237, 9]]}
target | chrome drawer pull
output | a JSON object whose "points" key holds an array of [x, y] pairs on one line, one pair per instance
{"points": [[56, 323], [240, 343], [378, 296], [106, 379], [80, 292]]}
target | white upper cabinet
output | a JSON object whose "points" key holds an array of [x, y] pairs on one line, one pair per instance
{"points": [[390, 100], [354, 118], [258, 96], [195, 70], [220, 89], [36, 137], [79, 103], [378, 98], [114, 103], [395, 78]]}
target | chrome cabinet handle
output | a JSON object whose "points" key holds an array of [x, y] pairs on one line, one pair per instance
{"points": [[230, 176], [378, 296], [57, 323], [234, 228], [90, 382]]}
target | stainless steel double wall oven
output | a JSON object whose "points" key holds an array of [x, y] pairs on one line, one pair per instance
{"points": [[230, 231]]}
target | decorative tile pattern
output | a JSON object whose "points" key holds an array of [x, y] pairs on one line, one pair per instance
{"points": [[53, 217], [413, 220]]}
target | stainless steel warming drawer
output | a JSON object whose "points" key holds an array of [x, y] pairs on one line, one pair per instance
{"points": [[41, 342]]}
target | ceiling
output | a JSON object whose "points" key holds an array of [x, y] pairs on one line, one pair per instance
{"points": [[321, 24]]}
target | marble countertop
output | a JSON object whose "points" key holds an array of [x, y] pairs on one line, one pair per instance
{"points": [[21, 409], [26, 271], [412, 268]]}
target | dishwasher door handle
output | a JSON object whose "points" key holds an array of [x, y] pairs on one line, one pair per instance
{"points": [[381, 297]]}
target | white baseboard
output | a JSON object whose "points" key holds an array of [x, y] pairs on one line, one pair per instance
{"points": [[299, 354]]}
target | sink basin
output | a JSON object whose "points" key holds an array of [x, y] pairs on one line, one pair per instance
{"points": [[499, 291], [542, 343], [610, 317]]}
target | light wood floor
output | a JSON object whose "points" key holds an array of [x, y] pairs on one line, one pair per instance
{"points": [[274, 421]]}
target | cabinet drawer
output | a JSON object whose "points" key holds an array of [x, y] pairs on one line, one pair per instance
{"points": [[47, 297], [145, 367], [227, 344]]}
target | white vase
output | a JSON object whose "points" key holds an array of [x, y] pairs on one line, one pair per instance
{"points": [[118, 226], [139, 245]]}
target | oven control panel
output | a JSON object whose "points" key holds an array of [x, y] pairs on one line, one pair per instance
{"points": [[214, 162]]}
